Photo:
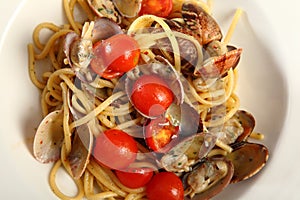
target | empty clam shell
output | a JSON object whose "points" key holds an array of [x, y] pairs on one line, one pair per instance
{"points": [[248, 159], [49, 137]]}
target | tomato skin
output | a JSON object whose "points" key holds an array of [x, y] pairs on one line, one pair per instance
{"points": [[160, 8], [135, 177], [151, 95], [115, 56], [115, 149], [166, 186], [160, 135]]}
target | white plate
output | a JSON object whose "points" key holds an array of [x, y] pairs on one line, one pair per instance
{"points": [[265, 88]]}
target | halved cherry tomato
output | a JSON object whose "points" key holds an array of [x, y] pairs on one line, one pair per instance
{"points": [[115, 56], [166, 186], [160, 134], [151, 95], [115, 149], [160, 8], [135, 177]]}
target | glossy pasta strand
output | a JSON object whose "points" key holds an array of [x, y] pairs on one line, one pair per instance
{"points": [[55, 188]]}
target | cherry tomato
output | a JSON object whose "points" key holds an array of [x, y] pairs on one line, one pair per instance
{"points": [[160, 135], [151, 95], [166, 186], [160, 8], [115, 149], [115, 56], [135, 177]]}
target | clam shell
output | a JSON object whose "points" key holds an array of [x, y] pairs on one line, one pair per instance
{"points": [[248, 123], [248, 159], [128, 8], [200, 23], [49, 137], [79, 156], [104, 28], [220, 180], [105, 8], [186, 117], [236, 129], [187, 152]]}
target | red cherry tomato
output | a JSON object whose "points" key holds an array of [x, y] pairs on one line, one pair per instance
{"points": [[166, 186], [115, 149], [151, 95], [160, 8], [135, 177], [160, 134], [115, 56]]}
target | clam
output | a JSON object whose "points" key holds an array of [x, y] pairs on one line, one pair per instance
{"points": [[105, 8], [219, 58], [82, 143], [217, 48], [128, 8], [79, 156], [186, 153], [79, 49], [79, 53], [49, 137], [236, 129], [190, 54], [200, 24], [208, 178], [105, 28], [248, 159], [247, 121], [69, 39], [185, 117], [217, 66]]}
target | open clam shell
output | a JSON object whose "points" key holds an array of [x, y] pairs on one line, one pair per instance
{"points": [[186, 118], [186, 153], [82, 143], [128, 8], [247, 121], [236, 129], [79, 50], [208, 178], [200, 24], [69, 40], [218, 66], [49, 137], [79, 156], [73, 47], [248, 159], [105, 8], [105, 28]]}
